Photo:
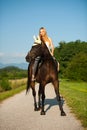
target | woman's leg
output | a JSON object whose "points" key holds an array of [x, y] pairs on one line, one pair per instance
{"points": [[37, 59]]}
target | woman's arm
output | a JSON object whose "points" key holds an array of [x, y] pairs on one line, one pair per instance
{"points": [[52, 47]]}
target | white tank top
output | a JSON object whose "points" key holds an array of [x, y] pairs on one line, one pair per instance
{"points": [[48, 46]]}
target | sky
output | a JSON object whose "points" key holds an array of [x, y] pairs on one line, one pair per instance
{"points": [[64, 20]]}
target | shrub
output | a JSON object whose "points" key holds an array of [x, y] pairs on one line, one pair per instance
{"points": [[5, 85], [77, 68]]}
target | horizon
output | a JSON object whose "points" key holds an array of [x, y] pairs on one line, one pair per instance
{"points": [[25, 62], [23, 57], [18, 65]]}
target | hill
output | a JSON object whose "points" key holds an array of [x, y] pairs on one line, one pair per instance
{"points": [[12, 72], [19, 65]]}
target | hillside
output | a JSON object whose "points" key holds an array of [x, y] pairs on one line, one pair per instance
{"points": [[19, 65], [12, 72]]}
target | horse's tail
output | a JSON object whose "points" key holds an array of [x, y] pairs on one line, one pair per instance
{"points": [[28, 86], [28, 81]]}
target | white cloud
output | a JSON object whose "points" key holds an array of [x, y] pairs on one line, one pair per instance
{"points": [[12, 57], [18, 55]]}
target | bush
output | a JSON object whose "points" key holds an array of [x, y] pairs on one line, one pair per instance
{"points": [[5, 85], [72, 57], [77, 68]]}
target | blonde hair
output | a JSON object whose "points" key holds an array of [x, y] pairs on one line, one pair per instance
{"points": [[42, 28]]}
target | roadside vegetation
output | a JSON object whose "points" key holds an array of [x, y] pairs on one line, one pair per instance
{"points": [[75, 95], [6, 94], [72, 57], [12, 80]]}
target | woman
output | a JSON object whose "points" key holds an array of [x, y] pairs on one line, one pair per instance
{"points": [[47, 40]]}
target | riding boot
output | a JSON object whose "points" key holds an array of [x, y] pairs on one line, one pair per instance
{"points": [[37, 59]]}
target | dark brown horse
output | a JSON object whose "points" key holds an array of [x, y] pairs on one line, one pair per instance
{"points": [[47, 72]]}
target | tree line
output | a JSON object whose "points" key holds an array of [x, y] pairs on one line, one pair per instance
{"points": [[72, 57]]}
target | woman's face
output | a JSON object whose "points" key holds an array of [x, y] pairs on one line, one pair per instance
{"points": [[42, 32]]}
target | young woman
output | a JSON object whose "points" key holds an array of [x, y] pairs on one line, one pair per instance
{"points": [[48, 41]]}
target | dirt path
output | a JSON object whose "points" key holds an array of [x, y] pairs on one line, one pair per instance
{"points": [[17, 113]]}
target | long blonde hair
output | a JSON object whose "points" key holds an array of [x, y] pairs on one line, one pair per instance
{"points": [[46, 38]]}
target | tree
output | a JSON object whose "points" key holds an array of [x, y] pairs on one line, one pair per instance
{"points": [[77, 68], [65, 54]]}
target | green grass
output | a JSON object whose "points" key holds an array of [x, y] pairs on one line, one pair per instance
{"points": [[75, 94], [7, 94]]}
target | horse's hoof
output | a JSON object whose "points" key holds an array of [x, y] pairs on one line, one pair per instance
{"points": [[42, 113], [35, 109], [63, 113], [39, 108]]}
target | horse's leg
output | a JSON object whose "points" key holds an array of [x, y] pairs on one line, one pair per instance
{"points": [[34, 95], [43, 99], [39, 97], [56, 87]]}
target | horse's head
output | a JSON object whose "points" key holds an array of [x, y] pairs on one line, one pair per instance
{"points": [[38, 50], [34, 52]]}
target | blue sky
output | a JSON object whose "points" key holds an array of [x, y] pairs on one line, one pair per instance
{"points": [[65, 20]]}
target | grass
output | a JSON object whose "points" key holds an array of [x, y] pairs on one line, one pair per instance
{"points": [[75, 94], [7, 94], [17, 85]]}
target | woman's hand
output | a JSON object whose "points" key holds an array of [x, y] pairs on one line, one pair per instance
{"points": [[37, 40]]}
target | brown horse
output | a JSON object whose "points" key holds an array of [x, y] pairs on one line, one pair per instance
{"points": [[47, 72]]}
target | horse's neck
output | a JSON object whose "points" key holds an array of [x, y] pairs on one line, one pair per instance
{"points": [[46, 51]]}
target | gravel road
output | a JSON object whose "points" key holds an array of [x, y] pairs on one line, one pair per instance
{"points": [[17, 113]]}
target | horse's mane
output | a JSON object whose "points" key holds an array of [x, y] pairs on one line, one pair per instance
{"points": [[46, 54]]}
